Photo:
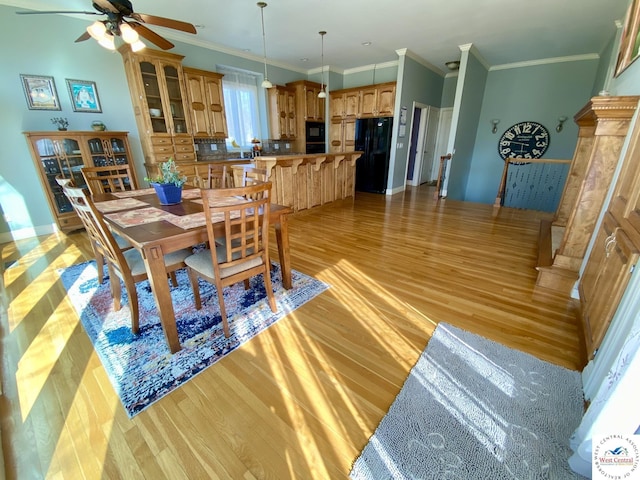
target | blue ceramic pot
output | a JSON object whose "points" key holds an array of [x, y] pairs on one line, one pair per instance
{"points": [[168, 194]]}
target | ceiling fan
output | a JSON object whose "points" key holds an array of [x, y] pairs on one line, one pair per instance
{"points": [[124, 22]]}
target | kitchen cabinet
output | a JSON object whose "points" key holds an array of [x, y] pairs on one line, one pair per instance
{"points": [[206, 103], [377, 100], [342, 135], [364, 102], [64, 154], [156, 85], [344, 103], [309, 108], [282, 112]]}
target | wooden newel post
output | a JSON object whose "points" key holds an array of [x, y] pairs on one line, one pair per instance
{"points": [[503, 183], [441, 173]]}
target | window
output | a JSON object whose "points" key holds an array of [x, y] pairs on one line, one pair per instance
{"points": [[240, 90]]}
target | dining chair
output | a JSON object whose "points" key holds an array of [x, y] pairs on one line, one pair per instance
{"points": [[217, 176], [251, 175], [97, 251], [125, 265], [244, 212], [109, 179]]}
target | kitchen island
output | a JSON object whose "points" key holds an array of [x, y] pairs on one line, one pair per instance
{"points": [[303, 181]]}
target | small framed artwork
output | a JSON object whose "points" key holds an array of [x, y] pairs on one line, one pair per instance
{"points": [[40, 92], [84, 96], [630, 41]]}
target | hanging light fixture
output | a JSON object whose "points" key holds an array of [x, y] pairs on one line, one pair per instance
{"points": [[265, 83], [322, 93], [104, 32]]}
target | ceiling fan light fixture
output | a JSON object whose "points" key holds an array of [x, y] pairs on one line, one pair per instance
{"points": [[137, 46], [108, 42], [97, 30], [128, 34], [265, 83]]}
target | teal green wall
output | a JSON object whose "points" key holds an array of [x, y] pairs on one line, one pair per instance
{"points": [[474, 75], [540, 93]]}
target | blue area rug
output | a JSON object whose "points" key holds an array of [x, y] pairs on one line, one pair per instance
{"points": [[140, 367]]}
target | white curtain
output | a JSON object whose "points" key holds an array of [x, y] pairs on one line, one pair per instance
{"points": [[241, 106], [614, 400]]}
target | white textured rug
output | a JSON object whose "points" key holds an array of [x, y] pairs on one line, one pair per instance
{"points": [[474, 409]]}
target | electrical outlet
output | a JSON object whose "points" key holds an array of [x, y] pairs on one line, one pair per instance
{"points": [[276, 146], [214, 147], [287, 145]]}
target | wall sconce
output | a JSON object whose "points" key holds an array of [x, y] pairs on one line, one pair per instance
{"points": [[494, 124], [560, 125]]}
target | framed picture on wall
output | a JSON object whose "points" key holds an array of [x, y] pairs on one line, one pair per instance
{"points": [[40, 92], [84, 96], [630, 40]]}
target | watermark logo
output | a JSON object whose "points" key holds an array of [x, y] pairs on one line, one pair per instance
{"points": [[616, 457]]}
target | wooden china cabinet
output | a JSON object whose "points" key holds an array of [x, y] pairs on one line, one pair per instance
{"points": [[156, 84], [64, 154], [206, 103]]}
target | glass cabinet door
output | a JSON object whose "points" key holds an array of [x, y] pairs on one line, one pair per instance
{"points": [[61, 157], [107, 151], [175, 99], [154, 100]]}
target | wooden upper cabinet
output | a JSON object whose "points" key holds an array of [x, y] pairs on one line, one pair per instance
{"points": [[206, 102], [282, 112], [371, 101], [310, 108], [344, 103], [378, 100]]}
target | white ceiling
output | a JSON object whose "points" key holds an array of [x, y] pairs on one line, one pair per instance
{"points": [[502, 31]]}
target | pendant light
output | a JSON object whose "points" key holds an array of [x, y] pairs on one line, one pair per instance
{"points": [[322, 93], [265, 83]]}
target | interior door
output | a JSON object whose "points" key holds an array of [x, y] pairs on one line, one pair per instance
{"points": [[427, 172]]}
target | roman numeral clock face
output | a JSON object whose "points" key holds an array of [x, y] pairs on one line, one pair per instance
{"points": [[524, 140]]}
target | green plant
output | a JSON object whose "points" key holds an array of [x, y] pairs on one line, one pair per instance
{"points": [[169, 174]]}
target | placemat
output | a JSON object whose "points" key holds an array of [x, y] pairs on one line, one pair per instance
{"points": [[134, 193], [120, 204], [140, 216]]}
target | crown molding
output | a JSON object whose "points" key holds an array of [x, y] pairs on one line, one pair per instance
{"points": [[546, 61], [408, 53]]}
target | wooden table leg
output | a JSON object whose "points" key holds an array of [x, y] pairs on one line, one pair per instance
{"points": [[154, 260], [282, 236]]}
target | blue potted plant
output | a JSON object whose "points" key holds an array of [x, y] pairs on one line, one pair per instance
{"points": [[168, 184]]}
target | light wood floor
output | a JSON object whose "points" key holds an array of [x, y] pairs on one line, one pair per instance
{"points": [[300, 400]]}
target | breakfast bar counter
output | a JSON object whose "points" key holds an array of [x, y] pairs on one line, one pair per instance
{"points": [[303, 181]]}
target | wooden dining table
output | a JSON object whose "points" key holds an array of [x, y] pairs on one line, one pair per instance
{"points": [[155, 230]]}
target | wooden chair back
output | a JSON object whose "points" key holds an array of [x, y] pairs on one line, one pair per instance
{"points": [[97, 230], [109, 179], [217, 176], [244, 250]]}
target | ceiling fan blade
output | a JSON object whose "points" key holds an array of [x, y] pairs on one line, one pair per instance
{"points": [[104, 6], [165, 22], [151, 36], [57, 11], [83, 37]]}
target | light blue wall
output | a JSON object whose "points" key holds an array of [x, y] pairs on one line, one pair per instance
{"points": [[449, 91], [21, 196], [540, 93], [370, 77], [418, 84], [474, 77]]}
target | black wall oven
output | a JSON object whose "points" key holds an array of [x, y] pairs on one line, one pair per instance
{"points": [[315, 137]]}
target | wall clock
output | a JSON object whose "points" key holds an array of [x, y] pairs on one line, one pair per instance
{"points": [[524, 140]]}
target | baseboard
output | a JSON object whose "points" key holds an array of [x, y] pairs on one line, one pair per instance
{"points": [[28, 232]]}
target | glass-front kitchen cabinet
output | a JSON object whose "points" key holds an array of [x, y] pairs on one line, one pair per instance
{"points": [[63, 154]]}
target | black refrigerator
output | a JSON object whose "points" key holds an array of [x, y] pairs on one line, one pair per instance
{"points": [[373, 137]]}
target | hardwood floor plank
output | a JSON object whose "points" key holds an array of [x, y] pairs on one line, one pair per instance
{"points": [[302, 398]]}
